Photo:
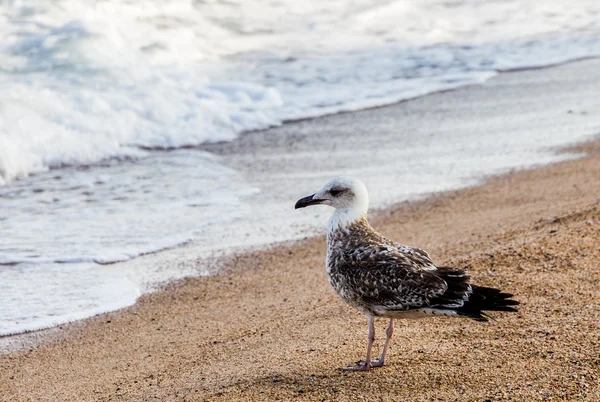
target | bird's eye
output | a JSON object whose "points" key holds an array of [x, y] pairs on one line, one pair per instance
{"points": [[335, 193]]}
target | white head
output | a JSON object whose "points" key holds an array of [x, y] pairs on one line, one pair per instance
{"points": [[347, 195]]}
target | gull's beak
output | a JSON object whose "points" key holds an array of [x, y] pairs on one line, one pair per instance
{"points": [[307, 201]]}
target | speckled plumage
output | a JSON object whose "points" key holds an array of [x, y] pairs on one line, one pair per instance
{"points": [[382, 278], [387, 279]]}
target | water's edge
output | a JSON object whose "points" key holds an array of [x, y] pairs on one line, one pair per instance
{"points": [[192, 256]]}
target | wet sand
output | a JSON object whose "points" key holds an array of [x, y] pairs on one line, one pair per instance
{"points": [[271, 328]]}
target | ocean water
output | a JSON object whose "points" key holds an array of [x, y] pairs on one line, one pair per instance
{"points": [[102, 102]]}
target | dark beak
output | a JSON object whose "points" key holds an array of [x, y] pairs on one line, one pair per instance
{"points": [[307, 201]]}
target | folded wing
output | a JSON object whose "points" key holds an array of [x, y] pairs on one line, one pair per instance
{"points": [[387, 281]]}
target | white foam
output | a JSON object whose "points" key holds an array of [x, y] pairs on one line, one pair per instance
{"points": [[61, 293], [118, 211], [86, 81]]}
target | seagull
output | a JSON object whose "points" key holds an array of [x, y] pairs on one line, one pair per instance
{"points": [[382, 278]]}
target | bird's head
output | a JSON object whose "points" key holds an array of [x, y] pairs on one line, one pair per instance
{"points": [[342, 193]]}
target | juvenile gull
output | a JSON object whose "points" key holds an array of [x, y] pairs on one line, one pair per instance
{"points": [[383, 278]]}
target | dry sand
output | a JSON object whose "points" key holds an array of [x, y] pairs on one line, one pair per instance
{"points": [[273, 329]]}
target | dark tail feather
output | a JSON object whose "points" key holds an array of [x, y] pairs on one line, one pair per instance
{"points": [[486, 299]]}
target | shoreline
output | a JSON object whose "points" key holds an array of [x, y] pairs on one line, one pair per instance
{"points": [[270, 327], [420, 154], [14, 342], [11, 343]]}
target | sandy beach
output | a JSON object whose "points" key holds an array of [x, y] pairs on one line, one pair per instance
{"points": [[269, 327]]}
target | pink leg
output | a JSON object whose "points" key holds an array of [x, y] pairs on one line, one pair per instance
{"points": [[365, 365], [388, 332]]}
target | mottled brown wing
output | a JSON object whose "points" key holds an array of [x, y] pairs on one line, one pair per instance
{"points": [[414, 256], [419, 258], [383, 277]]}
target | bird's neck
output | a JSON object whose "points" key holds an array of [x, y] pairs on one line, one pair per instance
{"points": [[343, 220]]}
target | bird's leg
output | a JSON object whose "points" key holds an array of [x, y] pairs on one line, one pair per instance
{"points": [[364, 365], [388, 335]]}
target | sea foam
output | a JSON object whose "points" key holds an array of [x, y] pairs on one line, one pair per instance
{"points": [[86, 81]]}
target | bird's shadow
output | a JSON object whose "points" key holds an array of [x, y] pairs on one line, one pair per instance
{"points": [[329, 383]]}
